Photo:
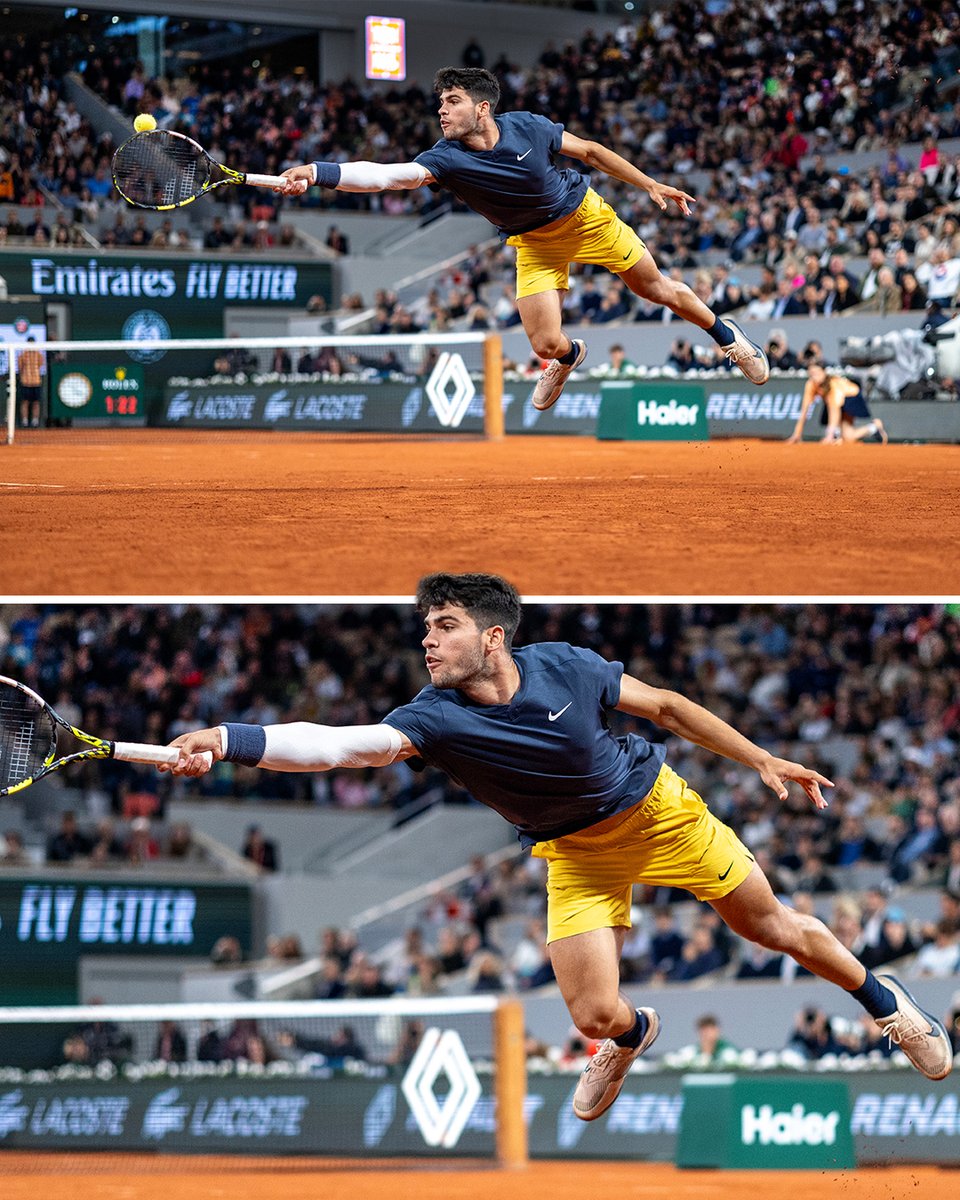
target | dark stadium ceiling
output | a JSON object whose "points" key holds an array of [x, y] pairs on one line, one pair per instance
{"points": [[342, 15]]}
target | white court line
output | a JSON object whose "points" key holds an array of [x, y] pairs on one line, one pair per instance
{"points": [[59, 486]]}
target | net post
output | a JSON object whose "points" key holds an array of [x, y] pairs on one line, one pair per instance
{"points": [[510, 1083], [493, 386]]}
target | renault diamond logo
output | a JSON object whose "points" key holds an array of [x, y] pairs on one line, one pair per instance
{"points": [[441, 1052], [450, 372]]}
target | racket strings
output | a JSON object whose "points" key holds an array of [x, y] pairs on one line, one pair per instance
{"points": [[26, 736], [161, 169]]}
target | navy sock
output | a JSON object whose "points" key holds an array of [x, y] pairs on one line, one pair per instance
{"points": [[721, 333], [570, 355], [633, 1037], [878, 1000]]}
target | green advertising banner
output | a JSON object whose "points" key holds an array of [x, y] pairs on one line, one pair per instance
{"points": [[663, 411], [144, 295], [772, 1124], [47, 923], [897, 1116]]}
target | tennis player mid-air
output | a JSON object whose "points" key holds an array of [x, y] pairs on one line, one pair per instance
{"points": [[526, 733], [503, 168]]}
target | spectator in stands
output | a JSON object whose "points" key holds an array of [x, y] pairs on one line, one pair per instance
{"points": [[700, 956], [919, 848], [895, 941], [940, 276], [261, 851], [104, 1040], [108, 845], [68, 842], [13, 853], [226, 952], [666, 944], [941, 957], [887, 297], [485, 973], [337, 241], [530, 963], [681, 357], [330, 984], [210, 1043], [779, 353], [711, 1048], [813, 1035], [618, 366], [141, 846], [786, 303], [171, 1045]]}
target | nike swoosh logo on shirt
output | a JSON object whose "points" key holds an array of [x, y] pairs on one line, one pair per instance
{"points": [[521, 157], [552, 716]]}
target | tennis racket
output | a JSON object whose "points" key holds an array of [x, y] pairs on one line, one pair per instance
{"points": [[28, 741], [160, 169]]}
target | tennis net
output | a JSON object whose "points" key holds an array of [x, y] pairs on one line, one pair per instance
{"points": [[383, 385]]}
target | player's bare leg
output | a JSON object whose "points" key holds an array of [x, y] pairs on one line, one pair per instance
{"points": [[542, 317], [851, 433], [646, 280], [587, 967], [752, 911]]}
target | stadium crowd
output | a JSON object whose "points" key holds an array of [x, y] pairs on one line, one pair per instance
{"points": [[753, 114]]}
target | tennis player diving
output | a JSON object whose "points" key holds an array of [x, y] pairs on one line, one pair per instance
{"points": [[503, 168], [525, 732]]}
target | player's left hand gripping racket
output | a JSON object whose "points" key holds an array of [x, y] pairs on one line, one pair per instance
{"points": [[161, 169], [28, 741]]}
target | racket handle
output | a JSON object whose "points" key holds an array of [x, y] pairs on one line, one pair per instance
{"points": [[156, 755], [271, 181]]}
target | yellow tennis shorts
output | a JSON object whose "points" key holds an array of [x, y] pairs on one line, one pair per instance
{"points": [[592, 234], [669, 839]]}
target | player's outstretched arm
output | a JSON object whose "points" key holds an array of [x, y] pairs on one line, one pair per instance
{"points": [[297, 746], [808, 395], [692, 721], [355, 177], [600, 158]]}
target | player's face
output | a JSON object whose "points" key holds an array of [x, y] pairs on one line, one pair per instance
{"points": [[459, 115], [454, 647]]}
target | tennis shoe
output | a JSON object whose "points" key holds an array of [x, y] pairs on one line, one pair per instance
{"points": [[918, 1035], [603, 1076], [550, 384], [746, 355]]}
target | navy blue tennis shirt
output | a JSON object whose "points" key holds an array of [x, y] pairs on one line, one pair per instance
{"points": [[547, 761], [516, 185]]}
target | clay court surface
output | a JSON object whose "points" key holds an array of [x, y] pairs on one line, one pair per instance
{"points": [[25, 1176], [169, 513]]}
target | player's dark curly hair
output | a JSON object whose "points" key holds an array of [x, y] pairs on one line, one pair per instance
{"points": [[488, 599], [479, 84]]}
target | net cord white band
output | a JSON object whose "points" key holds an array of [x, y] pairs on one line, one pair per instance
{"points": [[401, 1006]]}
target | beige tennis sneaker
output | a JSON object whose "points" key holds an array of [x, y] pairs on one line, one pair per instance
{"points": [[550, 384], [921, 1037], [747, 355], [603, 1076]]}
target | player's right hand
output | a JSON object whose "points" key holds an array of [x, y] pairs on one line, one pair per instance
{"points": [[192, 746], [298, 180]]}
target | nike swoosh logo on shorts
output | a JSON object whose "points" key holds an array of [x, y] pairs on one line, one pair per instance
{"points": [[521, 157], [726, 872], [552, 716]]}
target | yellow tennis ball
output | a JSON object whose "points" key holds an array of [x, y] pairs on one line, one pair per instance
{"points": [[144, 122]]}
